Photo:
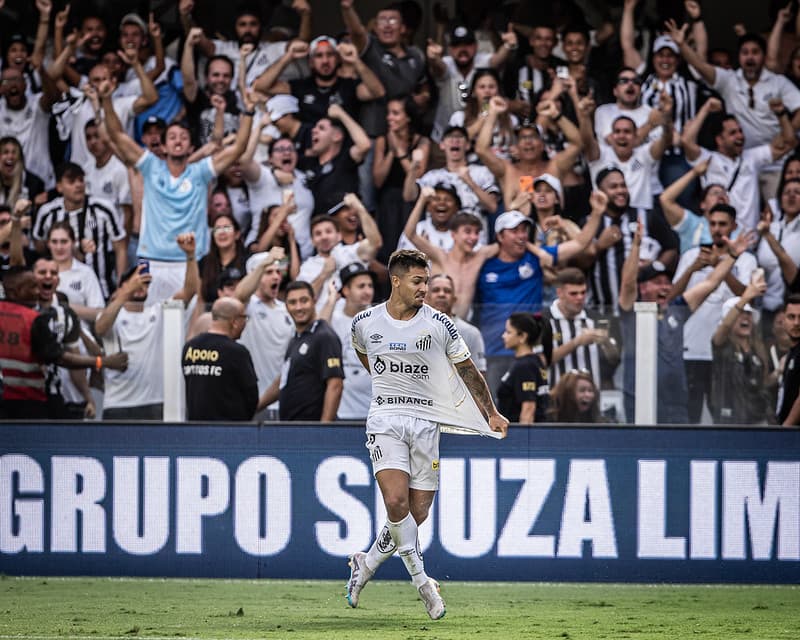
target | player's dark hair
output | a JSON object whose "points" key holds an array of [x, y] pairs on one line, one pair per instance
{"points": [[402, 261]]}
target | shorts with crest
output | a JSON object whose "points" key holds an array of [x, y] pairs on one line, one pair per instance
{"points": [[406, 443]]}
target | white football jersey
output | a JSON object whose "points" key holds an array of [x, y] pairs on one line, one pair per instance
{"points": [[412, 367]]}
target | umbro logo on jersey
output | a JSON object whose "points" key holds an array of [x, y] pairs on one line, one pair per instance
{"points": [[376, 338]]}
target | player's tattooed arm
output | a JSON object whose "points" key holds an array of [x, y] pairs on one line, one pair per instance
{"points": [[476, 385]]}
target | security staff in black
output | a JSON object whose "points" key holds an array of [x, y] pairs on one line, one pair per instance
{"points": [[309, 387], [221, 382]]}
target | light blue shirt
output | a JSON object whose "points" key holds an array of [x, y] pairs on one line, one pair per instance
{"points": [[692, 231], [171, 206]]}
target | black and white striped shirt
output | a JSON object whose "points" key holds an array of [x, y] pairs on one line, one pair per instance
{"points": [[64, 324], [97, 220], [564, 330], [684, 96]]}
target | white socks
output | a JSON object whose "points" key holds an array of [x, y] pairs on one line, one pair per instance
{"points": [[404, 534], [381, 550]]}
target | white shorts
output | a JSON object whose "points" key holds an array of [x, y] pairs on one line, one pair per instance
{"points": [[167, 280], [408, 444]]}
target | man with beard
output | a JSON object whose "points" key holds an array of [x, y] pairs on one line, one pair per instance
{"points": [[128, 324], [694, 266], [218, 97], [613, 241], [310, 384], [324, 86], [175, 192], [788, 410], [751, 92], [734, 166], [28, 120], [676, 305], [248, 32], [453, 73]]}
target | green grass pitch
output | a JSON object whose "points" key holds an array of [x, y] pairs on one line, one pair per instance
{"points": [[105, 608]]}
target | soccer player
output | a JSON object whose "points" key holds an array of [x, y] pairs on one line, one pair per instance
{"points": [[410, 349]]}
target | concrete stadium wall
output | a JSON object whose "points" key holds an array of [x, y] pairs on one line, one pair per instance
{"points": [[547, 503]]}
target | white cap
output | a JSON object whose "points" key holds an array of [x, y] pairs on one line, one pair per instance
{"points": [[322, 41], [729, 304], [553, 182], [665, 42], [510, 220], [281, 105], [133, 18], [255, 260]]}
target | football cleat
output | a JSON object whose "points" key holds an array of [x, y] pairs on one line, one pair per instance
{"points": [[429, 592], [359, 576]]}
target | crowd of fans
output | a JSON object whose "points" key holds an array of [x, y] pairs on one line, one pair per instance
{"points": [[554, 172]]}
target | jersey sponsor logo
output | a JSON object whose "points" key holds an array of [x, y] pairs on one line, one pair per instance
{"points": [[408, 400], [193, 354], [529, 386], [448, 324], [379, 366], [424, 342], [202, 370], [397, 346], [333, 363], [414, 371], [376, 338]]}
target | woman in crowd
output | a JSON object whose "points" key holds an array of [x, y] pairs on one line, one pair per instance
{"points": [[739, 362], [15, 181], [77, 280], [393, 159], [522, 395], [485, 86], [276, 230], [575, 398], [225, 252]]}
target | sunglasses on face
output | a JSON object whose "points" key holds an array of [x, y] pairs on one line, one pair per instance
{"points": [[628, 80]]}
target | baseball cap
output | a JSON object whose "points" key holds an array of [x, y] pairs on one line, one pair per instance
{"points": [[322, 41], [653, 270], [153, 121], [281, 105], [461, 34], [665, 42], [352, 270], [553, 182], [453, 129], [730, 302], [133, 18], [255, 260], [510, 220], [449, 188], [229, 276]]}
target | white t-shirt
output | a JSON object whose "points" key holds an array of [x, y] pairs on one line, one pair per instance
{"points": [[788, 234], [266, 336], [411, 363], [473, 338], [257, 62], [441, 239], [109, 182], [140, 335], [638, 170], [266, 192], [31, 126], [357, 389], [702, 324], [343, 254], [759, 124], [80, 285], [83, 112], [744, 195]]}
